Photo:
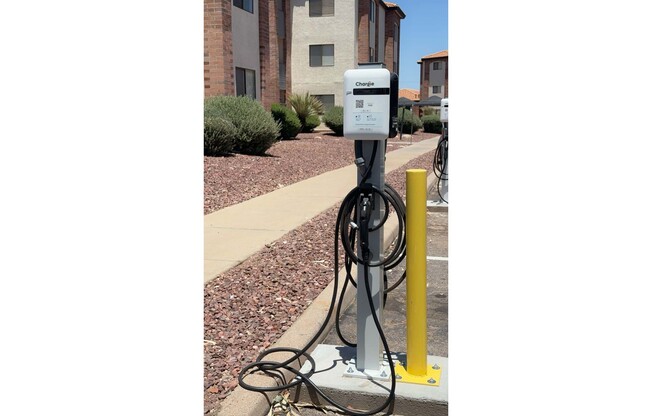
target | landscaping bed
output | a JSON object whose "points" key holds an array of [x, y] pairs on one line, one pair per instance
{"points": [[249, 307], [235, 178]]}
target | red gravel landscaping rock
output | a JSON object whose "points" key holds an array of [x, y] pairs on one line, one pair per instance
{"points": [[229, 180], [248, 308]]}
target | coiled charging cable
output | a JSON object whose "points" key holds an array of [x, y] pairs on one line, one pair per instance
{"points": [[363, 196]]}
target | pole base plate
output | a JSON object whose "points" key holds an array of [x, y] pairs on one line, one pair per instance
{"points": [[382, 374], [431, 378]]}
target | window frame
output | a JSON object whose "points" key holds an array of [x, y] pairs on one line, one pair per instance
{"points": [[372, 11], [326, 108], [247, 91], [437, 66], [438, 87], [240, 4], [321, 12], [321, 55]]}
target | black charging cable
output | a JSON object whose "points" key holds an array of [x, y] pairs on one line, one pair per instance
{"points": [[440, 161], [345, 229]]}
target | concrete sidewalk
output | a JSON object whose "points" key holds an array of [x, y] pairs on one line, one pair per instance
{"points": [[234, 233]]}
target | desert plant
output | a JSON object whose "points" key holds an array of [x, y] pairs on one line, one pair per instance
{"points": [[431, 124], [290, 124], [305, 106], [409, 122], [311, 123], [256, 129], [219, 136], [334, 120]]}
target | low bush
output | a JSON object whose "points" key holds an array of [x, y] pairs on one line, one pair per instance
{"points": [[431, 124], [219, 136], [429, 111], [334, 120], [408, 121], [256, 129], [290, 124], [312, 121], [307, 107]]}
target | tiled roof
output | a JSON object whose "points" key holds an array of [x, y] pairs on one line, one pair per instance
{"points": [[394, 6], [409, 93], [441, 54]]}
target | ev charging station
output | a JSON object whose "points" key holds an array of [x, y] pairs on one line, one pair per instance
{"points": [[440, 162], [370, 118], [370, 108], [444, 156]]}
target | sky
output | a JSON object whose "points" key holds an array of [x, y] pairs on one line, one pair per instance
{"points": [[423, 31]]}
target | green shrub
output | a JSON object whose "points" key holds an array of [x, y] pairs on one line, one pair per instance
{"points": [[429, 111], [255, 127], [311, 123], [431, 124], [219, 136], [305, 106], [334, 120], [290, 124], [409, 121]]}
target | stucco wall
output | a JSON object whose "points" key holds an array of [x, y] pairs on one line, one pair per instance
{"points": [[338, 30], [246, 47], [437, 77]]}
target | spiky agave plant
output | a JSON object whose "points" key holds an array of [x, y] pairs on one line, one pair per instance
{"points": [[305, 106]]}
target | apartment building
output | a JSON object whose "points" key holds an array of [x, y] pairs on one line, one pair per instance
{"points": [[267, 49], [434, 75], [331, 36], [241, 49]]}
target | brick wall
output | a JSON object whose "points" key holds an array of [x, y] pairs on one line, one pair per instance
{"points": [[363, 31], [288, 47], [446, 79], [218, 48], [268, 40], [391, 18], [376, 34], [424, 66]]}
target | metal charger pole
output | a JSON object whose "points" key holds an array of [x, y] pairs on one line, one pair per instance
{"points": [[369, 345]]}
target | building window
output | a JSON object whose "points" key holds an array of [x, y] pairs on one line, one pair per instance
{"points": [[372, 11], [327, 100], [436, 66], [320, 8], [245, 82], [322, 55], [247, 5], [436, 89], [372, 55]]}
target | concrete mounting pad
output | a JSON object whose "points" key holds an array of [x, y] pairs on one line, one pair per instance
{"points": [[365, 394], [437, 206]]}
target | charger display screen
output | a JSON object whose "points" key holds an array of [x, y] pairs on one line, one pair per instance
{"points": [[371, 91]]}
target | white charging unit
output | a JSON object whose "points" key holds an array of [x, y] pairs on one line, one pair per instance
{"points": [[444, 110], [367, 110]]}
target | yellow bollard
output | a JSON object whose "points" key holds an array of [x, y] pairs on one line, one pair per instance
{"points": [[416, 272]]}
